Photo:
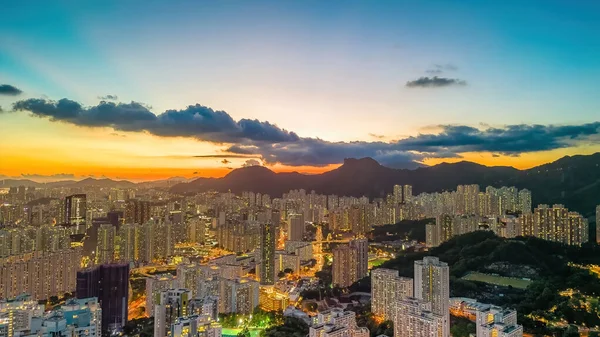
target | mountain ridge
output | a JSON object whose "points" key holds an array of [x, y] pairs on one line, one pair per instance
{"points": [[570, 180]]}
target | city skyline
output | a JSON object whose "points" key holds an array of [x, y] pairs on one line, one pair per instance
{"points": [[296, 87]]}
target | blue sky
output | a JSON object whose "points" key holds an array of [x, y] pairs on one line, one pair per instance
{"points": [[330, 69]]}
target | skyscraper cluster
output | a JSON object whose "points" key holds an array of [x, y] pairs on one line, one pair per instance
{"points": [[554, 223], [470, 200]]}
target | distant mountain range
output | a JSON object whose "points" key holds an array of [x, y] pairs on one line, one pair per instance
{"points": [[572, 181], [92, 182]]}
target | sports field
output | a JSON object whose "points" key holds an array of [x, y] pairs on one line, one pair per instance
{"points": [[497, 280], [377, 262]]}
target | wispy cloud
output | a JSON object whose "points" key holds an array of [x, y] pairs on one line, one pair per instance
{"points": [[108, 97], [435, 82]]}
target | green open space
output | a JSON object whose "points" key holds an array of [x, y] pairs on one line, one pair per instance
{"points": [[497, 280], [227, 332], [377, 262]]}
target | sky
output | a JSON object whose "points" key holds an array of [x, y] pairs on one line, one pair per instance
{"points": [[146, 90]]}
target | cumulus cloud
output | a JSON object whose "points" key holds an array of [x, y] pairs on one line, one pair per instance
{"points": [[435, 82], [108, 98], [195, 121], [9, 90], [251, 162], [262, 141]]}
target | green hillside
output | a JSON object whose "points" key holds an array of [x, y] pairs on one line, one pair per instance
{"points": [[564, 288]]}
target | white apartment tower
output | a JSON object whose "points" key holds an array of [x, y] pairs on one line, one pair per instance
{"points": [[432, 284], [414, 318], [387, 288]]}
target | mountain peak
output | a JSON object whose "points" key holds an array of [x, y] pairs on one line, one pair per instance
{"points": [[366, 162]]}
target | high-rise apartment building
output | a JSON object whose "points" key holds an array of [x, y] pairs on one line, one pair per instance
{"points": [[169, 305], [556, 224], [110, 284], [397, 192], [40, 274], [415, 318], [387, 288], [407, 193], [343, 267], [137, 211], [75, 209], [447, 226], [155, 284], [495, 321], [16, 315], [129, 243], [350, 262], [524, 201], [238, 295], [296, 227], [267, 254], [361, 245], [77, 317], [105, 250], [432, 284]]}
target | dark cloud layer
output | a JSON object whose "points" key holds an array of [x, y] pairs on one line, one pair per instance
{"points": [[7, 89], [272, 144], [195, 121], [435, 82]]}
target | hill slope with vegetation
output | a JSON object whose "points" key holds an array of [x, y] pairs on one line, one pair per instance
{"points": [[564, 287]]}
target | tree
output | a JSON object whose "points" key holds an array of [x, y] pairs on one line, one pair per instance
{"points": [[571, 331], [244, 333]]}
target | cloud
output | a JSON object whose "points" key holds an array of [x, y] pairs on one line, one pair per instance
{"points": [[195, 121], [438, 69], [251, 162], [225, 161], [196, 172], [219, 156], [262, 141], [9, 90], [374, 135], [435, 82], [108, 98]]}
